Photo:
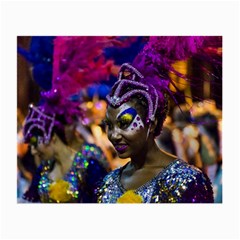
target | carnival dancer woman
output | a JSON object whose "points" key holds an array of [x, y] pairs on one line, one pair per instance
{"points": [[66, 174], [137, 108]]}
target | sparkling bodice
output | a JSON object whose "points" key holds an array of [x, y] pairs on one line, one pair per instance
{"points": [[179, 182], [78, 184]]}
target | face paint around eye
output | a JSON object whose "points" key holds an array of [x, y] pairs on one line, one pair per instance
{"points": [[125, 120], [126, 117], [33, 141], [129, 119], [137, 123]]}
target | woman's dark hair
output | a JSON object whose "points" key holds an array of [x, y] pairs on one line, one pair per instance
{"points": [[58, 128]]}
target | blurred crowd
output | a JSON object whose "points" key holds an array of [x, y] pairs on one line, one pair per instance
{"points": [[195, 135]]}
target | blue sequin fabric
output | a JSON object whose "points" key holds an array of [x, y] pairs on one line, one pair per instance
{"points": [[88, 169], [179, 182]]}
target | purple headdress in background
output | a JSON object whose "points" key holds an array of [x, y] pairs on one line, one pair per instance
{"points": [[77, 63], [148, 75], [38, 121]]}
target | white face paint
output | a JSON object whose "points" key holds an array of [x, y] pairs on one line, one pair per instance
{"points": [[129, 119]]}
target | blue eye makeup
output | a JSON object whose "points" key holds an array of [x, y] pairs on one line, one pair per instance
{"points": [[126, 117], [128, 120], [129, 111]]}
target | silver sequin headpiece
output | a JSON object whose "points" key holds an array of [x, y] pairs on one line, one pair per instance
{"points": [[37, 119], [129, 76]]}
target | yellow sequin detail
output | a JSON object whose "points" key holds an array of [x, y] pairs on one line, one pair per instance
{"points": [[130, 197], [58, 191]]}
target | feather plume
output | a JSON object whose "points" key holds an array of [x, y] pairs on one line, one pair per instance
{"points": [[156, 59], [78, 62]]}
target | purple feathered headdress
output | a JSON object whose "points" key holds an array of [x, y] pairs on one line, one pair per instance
{"points": [[39, 123], [148, 75], [160, 53], [77, 63]]}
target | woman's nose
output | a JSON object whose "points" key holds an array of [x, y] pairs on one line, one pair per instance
{"points": [[114, 135], [33, 150]]}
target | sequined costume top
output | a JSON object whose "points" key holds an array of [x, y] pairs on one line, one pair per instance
{"points": [[88, 169], [179, 182]]}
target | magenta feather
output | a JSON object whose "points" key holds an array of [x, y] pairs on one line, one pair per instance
{"points": [[78, 62], [156, 59]]}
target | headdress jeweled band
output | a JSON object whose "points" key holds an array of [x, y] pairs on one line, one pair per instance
{"points": [[140, 88], [38, 119]]}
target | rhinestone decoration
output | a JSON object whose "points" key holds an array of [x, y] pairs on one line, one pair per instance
{"points": [[80, 176], [139, 88], [179, 182]]}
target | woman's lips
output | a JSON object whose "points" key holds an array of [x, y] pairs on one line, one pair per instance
{"points": [[121, 148]]}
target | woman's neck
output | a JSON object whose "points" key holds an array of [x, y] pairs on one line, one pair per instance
{"points": [[152, 157], [147, 156], [64, 156]]}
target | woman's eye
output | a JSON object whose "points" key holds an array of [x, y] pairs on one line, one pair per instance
{"points": [[125, 120], [107, 124], [123, 123], [34, 141]]}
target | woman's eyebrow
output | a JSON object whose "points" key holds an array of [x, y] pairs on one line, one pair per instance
{"points": [[105, 120]]}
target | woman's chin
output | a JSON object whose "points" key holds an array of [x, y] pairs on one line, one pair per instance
{"points": [[123, 155]]}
